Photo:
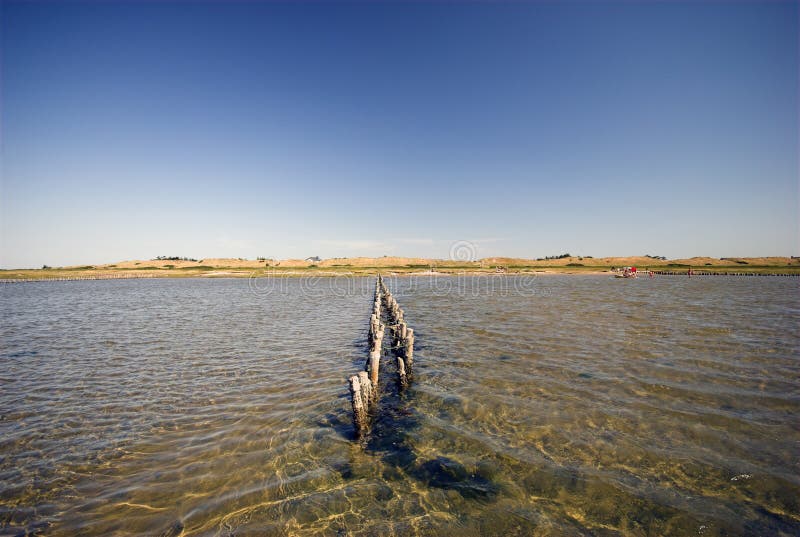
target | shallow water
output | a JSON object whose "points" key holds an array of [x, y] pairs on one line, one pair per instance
{"points": [[553, 405]]}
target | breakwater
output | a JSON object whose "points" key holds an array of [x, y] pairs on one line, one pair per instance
{"points": [[693, 272], [365, 386], [124, 276]]}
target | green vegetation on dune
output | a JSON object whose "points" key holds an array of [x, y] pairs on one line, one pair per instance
{"points": [[452, 268]]}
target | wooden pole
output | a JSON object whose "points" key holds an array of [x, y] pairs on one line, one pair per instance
{"points": [[401, 372], [374, 365], [409, 350], [359, 410], [366, 389]]}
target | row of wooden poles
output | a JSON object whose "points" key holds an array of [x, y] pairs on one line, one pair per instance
{"points": [[83, 277], [364, 386], [715, 273]]}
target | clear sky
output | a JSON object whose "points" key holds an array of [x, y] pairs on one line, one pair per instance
{"points": [[131, 130]]}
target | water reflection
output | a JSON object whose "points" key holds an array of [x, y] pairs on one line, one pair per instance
{"points": [[589, 407]]}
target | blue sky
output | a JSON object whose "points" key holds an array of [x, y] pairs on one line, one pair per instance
{"points": [[244, 129]]}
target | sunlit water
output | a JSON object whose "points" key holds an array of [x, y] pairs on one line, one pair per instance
{"points": [[557, 405]]}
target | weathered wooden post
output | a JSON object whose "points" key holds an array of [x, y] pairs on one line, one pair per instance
{"points": [[364, 385], [374, 365], [374, 324], [366, 389], [409, 350], [401, 372], [359, 409]]}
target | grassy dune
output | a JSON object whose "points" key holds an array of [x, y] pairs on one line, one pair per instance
{"points": [[241, 268]]}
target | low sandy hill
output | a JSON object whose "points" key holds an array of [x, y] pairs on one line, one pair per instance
{"points": [[700, 261], [157, 263], [642, 261], [216, 262], [489, 262], [378, 261], [772, 260], [587, 261], [505, 261], [290, 263], [736, 261], [231, 262], [631, 261]]}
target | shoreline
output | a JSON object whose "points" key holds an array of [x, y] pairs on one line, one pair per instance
{"points": [[33, 275]]}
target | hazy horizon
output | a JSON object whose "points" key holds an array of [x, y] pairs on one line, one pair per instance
{"points": [[339, 130]]}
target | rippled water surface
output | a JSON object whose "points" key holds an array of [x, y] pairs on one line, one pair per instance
{"points": [[557, 405]]}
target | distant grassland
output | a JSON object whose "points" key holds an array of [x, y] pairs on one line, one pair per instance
{"points": [[207, 271]]}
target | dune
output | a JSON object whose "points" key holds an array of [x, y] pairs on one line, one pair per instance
{"points": [[290, 263], [586, 261], [379, 261], [419, 262], [166, 263]]}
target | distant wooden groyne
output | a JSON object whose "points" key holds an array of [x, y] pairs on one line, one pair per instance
{"points": [[125, 276], [693, 272], [364, 387]]}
